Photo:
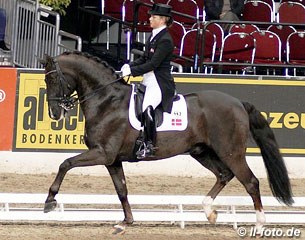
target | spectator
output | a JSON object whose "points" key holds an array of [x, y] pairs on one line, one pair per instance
{"points": [[2, 29], [226, 10]]}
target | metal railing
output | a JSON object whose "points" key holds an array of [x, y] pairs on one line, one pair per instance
{"points": [[33, 31], [24, 34]]}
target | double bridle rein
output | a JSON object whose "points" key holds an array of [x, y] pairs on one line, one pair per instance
{"points": [[69, 102]]}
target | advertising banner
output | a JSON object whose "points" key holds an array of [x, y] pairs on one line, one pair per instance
{"points": [[35, 131], [281, 101], [8, 78]]}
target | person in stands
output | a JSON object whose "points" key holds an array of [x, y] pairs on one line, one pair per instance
{"points": [[226, 10], [2, 29], [155, 67]]}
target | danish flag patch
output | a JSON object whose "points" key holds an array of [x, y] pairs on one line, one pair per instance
{"points": [[176, 122]]}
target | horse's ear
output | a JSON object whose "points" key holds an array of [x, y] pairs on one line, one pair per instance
{"points": [[43, 62], [47, 59]]}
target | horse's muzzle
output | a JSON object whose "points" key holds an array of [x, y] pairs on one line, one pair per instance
{"points": [[57, 115]]}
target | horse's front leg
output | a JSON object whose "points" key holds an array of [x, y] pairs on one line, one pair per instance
{"points": [[119, 181], [89, 158]]}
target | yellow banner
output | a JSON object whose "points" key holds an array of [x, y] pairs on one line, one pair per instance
{"points": [[35, 129]]}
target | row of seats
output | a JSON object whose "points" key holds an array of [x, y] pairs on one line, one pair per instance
{"points": [[292, 11], [245, 43], [192, 10], [186, 25], [135, 17], [189, 12]]}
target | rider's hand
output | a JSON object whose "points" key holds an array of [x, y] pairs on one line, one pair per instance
{"points": [[125, 70]]}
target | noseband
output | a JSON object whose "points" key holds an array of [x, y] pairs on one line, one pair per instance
{"points": [[64, 101], [69, 102]]}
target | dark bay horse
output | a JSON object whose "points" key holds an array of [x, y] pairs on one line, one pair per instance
{"points": [[216, 136]]}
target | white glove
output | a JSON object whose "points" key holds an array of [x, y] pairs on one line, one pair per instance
{"points": [[125, 70]]}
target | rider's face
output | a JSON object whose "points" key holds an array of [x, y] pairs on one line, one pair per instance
{"points": [[156, 21]]}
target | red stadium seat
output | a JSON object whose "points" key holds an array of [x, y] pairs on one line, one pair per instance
{"points": [[257, 11], [283, 31], [271, 3], [112, 8], [291, 12], [177, 32], [188, 8], [296, 49], [299, 1], [237, 48], [268, 49], [191, 47], [217, 30], [134, 9]]}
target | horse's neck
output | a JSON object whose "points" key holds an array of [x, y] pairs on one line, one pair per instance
{"points": [[96, 87], [104, 97]]}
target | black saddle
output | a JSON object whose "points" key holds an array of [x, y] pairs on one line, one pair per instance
{"points": [[139, 90]]}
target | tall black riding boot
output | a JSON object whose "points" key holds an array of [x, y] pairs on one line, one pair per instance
{"points": [[150, 134]]}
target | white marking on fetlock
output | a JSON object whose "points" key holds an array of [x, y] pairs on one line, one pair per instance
{"points": [[260, 221], [207, 205]]}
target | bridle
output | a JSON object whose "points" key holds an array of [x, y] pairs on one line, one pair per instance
{"points": [[68, 102]]}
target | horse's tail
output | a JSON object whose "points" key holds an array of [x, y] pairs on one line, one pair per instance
{"points": [[276, 170]]}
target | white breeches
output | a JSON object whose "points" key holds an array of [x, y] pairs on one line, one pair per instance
{"points": [[153, 95]]}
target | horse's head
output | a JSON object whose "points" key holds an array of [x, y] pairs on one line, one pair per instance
{"points": [[58, 89]]}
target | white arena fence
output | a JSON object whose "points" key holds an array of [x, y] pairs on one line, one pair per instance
{"points": [[147, 208]]}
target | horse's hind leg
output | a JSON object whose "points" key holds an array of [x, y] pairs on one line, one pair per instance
{"points": [[207, 157], [244, 174]]}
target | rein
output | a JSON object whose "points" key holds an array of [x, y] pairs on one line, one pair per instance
{"points": [[84, 98], [69, 102]]}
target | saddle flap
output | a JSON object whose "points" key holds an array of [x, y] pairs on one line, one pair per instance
{"points": [[139, 92], [174, 121]]}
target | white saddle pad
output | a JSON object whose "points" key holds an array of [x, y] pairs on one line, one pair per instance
{"points": [[174, 121]]}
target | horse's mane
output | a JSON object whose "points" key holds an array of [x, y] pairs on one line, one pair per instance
{"points": [[96, 59]]}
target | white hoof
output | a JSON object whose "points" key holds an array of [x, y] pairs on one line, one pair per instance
{"points": [[213, 217]]}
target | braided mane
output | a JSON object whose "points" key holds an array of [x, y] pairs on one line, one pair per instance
{"points": [[94, 58]]}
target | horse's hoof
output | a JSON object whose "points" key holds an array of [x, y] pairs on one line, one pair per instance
{"points": [[49, 206], [213, 217], [119, 229]]}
